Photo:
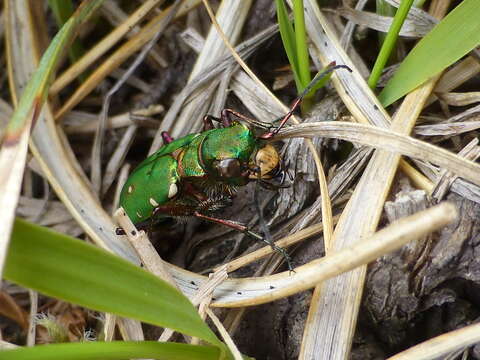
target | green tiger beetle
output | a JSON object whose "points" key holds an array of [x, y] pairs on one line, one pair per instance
{"points": [[199, 173]]}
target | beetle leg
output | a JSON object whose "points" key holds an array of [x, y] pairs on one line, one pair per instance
{"points": [[188, 188], [208, 122], [167, 139], [247, 231], [227, 119]]}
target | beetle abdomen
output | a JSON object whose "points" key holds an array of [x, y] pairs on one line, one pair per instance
{"points": [[150, 185]]}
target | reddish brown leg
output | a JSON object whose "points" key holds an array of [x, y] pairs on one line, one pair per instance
{"points": [[167, 139], [245, 230], [189, 189], [227, 119], [228, 223], [208, 122]]}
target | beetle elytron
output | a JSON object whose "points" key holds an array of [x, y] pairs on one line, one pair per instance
{"points": [[198, 174]]}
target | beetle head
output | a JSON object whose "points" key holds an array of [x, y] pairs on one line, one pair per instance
{"points": [[265, 163]]}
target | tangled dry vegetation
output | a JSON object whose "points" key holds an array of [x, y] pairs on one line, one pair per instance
{"points": [[89, 137]]}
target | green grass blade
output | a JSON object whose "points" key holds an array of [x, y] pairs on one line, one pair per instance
{"points": [[36, 90], [115, 350], [456, 35], [385, 9], [288, 39], [63, 10], [60, 266], [301, 44], [13, 144], [389, 42]]}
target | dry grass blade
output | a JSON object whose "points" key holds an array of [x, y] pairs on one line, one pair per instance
{"points": [[442, 345], [352, 88], [254, 291], [454, 77], [82, 122], [390, 141], [102, 46], [32, 326], [447, 129], [60, 167], [144, 248], [339, 300], [96, 172], [224, 333], [231, 16], [15, 140], [471, 151], [267, 250], [114, 61], [412, 27], [117, 158], [460, 99]]}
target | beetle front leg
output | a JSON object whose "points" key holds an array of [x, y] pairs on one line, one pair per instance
{"points": [[227, 119], [208, 122]]}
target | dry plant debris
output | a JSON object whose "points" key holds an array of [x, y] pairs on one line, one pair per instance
{"points": [[375, 174]]}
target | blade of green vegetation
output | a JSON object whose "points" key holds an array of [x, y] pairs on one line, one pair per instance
{"points": [[453, 37], [13, 145], [296, 46], [288, 39], [36, 90], [389, 42], [385, 9], [301, 43], [115, 350], [63, 10], [61, 266]]}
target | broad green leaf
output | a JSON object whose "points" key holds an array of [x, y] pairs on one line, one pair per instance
{"points": [[61, 266], [453, 37], [115, 350]]}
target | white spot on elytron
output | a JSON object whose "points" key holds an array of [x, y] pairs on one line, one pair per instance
{"points": [[139, 215], [153, 202], [172, 191], [130, 189]]}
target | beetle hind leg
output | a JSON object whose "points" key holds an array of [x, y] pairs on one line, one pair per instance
{"points": [[247, 231]]}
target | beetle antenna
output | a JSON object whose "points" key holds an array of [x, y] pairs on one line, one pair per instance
{"points": [[320, 75], [267, 236]]}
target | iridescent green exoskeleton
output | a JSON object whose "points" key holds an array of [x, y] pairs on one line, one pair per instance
{"points": [[199, 173]]}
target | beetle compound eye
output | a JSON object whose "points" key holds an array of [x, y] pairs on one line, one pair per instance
{"points": [[228, 168]]}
